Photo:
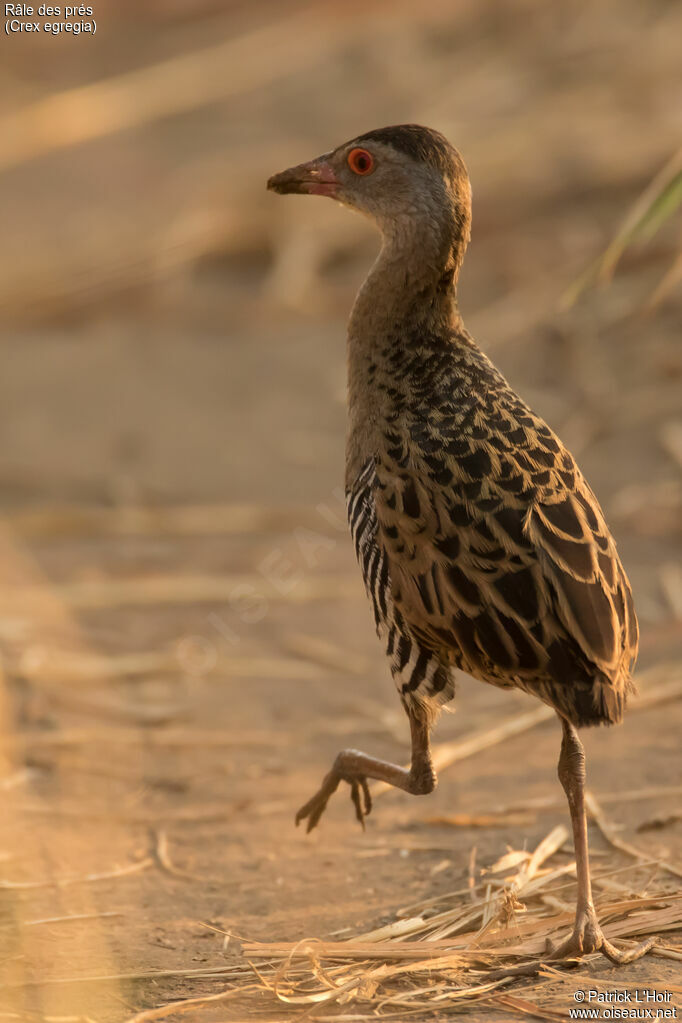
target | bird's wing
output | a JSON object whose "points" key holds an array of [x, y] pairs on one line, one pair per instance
{"points": [[462, 573], [592, 595], [513, 575]]}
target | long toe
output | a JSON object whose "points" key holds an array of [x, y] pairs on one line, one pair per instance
{"points": [[588, 937], [362, 800], [367, 795], [355, 797], [313, 809], [316, 806], [629, 955]]}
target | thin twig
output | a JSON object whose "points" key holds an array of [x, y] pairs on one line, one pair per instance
{"points": [[256, 59], [607, 830], [445, 754], [163, 1011], [163, 859], [60, 882]]}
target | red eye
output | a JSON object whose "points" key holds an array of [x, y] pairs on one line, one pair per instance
{"points": [[360, 161]]}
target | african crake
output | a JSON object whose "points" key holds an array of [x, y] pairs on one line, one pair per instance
{"points": [[481, 545]]}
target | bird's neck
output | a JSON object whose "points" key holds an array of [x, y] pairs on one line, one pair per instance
{"points": [[408, 298], [412, 284]]}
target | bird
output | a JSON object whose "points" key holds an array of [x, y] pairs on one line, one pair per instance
{"points": [[481, 545]]}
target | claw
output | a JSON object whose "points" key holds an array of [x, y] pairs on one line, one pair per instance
{"points": [[367, 795], [588, 937], [357, 787], [315, 807], [355, 796], [629, 955]]}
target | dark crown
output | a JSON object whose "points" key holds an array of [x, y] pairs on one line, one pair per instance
{"points": [[421, 144]]}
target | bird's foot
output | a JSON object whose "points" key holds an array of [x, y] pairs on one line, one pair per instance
{"points": [[588, 937], [359, 794]]}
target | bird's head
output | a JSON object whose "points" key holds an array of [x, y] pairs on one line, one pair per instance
{"points": [[400, 177]]}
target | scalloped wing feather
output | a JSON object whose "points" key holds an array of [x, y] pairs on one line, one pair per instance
{"points": [[579, 560], [516, 585]]}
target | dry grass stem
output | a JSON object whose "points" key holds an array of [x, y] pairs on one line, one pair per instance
{"points": [[436, 957], [162, 854], [186, 1005], [256, 58], [445, 754], [608, 831], [327, 655], [170, 589], [60, 882], [559, 802], [163, 520]]}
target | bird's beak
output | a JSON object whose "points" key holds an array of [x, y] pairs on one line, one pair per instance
{"points": [[314, 178]]}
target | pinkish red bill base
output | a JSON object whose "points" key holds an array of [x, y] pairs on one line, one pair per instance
{"points": [[314, 178]]}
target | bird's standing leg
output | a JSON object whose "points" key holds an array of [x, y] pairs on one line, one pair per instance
{"points": [[587, 935], [355, 768]]}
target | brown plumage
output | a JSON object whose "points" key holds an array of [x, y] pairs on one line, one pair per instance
{"points": [[481, 545]]}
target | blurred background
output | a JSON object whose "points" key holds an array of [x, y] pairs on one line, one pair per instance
{"points": [[173, 555]]}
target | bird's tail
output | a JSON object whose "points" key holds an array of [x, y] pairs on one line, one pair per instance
{"points": [[602, 702]]}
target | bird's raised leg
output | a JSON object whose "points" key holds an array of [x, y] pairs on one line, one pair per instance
{"points": [[587, 935], [355, 768]]}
